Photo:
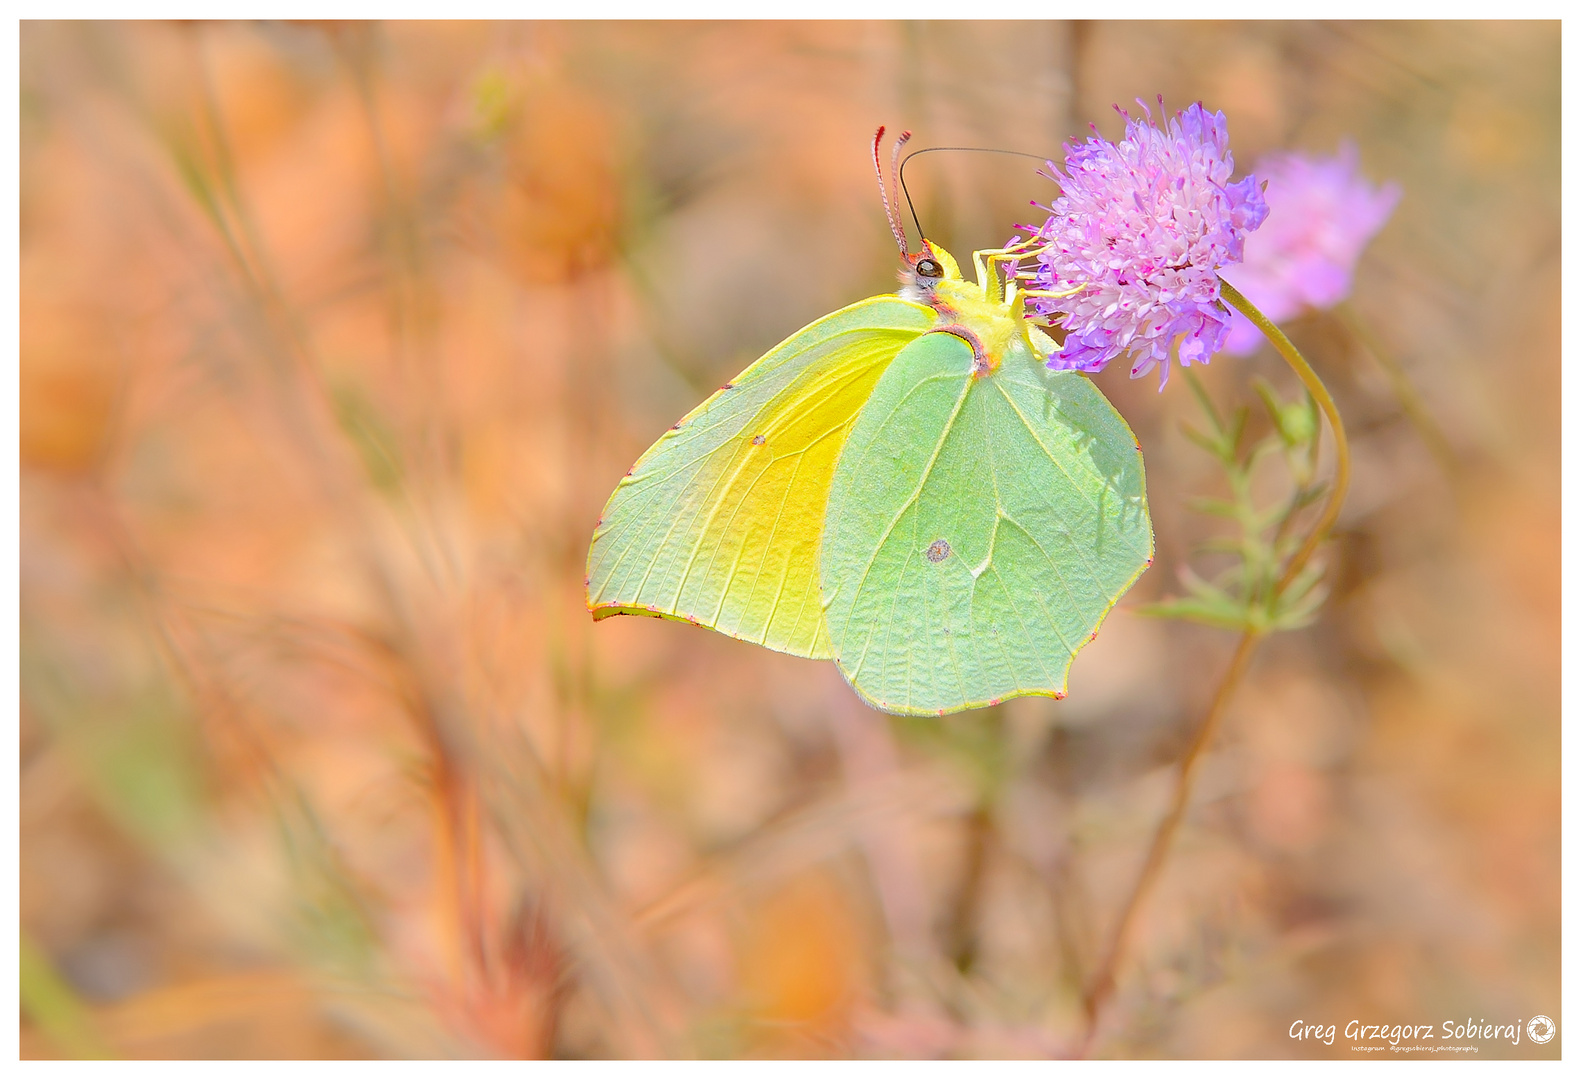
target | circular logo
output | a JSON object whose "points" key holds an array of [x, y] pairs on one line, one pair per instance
{"points": [[1540, 1029]]}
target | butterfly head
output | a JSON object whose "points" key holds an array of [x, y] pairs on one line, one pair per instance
{"points": [[990, 313], [925, 270]]}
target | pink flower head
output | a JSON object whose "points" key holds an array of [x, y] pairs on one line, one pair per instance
{"points": [[1137, 238], [1324, 213]]}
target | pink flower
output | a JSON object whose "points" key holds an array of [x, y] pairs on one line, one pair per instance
{"points": [[1322, 213], [1136, 239]]}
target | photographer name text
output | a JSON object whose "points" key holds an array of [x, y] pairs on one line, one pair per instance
{"points": [[1375, 1037]]}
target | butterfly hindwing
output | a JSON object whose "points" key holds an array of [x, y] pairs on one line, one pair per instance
{"points": [[719, 522], [978, 529]]}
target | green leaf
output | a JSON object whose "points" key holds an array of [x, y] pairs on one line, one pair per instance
{"points": [[1207, 604], [1211, 444], [1225, 616], [1201, 394], [1301, 600], [978, 529], [1296, 421]]}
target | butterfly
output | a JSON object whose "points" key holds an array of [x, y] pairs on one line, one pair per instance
{"points": [[902, 487]]}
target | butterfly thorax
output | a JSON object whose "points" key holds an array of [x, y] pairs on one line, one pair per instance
{"points": [[977, 312]]}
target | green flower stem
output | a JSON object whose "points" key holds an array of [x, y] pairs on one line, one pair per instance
{"points": [[1101, 987], [1320, 394]]}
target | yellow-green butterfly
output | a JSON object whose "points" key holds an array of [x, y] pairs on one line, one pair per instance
{"points": [[902, 487]]}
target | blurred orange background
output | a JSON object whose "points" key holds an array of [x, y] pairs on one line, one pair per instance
{"points": [[335, 337]]}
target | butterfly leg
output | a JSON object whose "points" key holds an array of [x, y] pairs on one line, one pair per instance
{"points": [[986, 262]]}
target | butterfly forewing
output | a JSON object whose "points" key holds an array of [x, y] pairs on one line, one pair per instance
{"points": [[719, 523]]}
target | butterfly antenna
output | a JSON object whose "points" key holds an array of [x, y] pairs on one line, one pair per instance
{"points": [[900, 173], [894, 196], [890, 206]]}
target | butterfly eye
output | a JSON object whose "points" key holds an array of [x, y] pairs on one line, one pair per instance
{"points": [[929, 268]]}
